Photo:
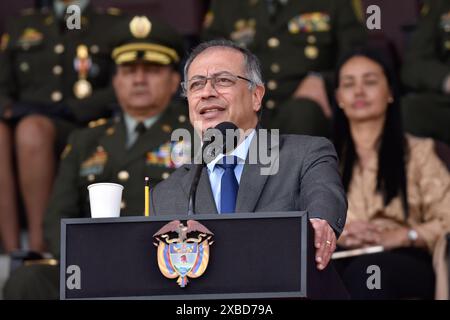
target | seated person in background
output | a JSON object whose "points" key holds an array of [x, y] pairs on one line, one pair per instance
{"points": [[398, 189], [297, 43], [426, 111], [123, 150], [52, 80]]}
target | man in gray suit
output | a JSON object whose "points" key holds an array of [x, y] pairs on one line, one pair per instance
{"points": [[223, 83]]}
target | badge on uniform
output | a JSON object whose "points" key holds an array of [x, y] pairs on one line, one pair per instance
{"points": [[185, 255], [445, 22], [140, 27], [95, 164], [169, 155], [30, 37], [244, 33], [82, 64], [310, 22]]}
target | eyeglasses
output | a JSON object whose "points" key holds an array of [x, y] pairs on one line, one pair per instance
{"points": [[218, 81]]}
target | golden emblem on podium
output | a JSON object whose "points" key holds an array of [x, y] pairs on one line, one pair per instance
{"points": [[185, 255]]}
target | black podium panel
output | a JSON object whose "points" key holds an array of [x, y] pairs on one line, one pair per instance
{"points": [[253, 256]]}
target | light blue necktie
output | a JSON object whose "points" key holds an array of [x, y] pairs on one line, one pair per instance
{"points": [[229, 185]]}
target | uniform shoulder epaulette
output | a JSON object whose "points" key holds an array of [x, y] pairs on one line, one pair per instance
{"points": [[97, 123]]}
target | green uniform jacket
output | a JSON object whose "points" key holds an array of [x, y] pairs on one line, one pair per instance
{"points": [[38, 61], [427, 61], [99, 154], [303, 36]]}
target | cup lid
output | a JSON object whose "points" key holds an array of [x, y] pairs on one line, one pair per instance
{"points": [[105, 184]]}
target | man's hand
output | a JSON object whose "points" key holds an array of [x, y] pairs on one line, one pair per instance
{"points": [[313, 88], [324, 241]]}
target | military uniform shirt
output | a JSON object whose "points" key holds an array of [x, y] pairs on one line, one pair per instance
{"points": [[298, 38]]}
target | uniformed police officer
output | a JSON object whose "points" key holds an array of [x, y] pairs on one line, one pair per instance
{"points": [[52, 80], [298, 43], [426, 111], [122, 150]]}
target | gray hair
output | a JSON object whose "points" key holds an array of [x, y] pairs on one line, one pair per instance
{"points": [[251, 62]]}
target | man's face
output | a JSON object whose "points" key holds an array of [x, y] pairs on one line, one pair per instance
{"points": [[210, 106], [145, 89]]}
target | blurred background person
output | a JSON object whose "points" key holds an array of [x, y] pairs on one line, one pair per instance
{"points": [[297, 43], [121, 150], [426, 72], [398, 189], [52, 80]]}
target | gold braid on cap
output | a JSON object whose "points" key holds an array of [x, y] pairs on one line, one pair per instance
{"points": [[152, 50]]}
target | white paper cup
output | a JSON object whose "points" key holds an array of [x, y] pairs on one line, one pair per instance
{"points": [[105, 199]]}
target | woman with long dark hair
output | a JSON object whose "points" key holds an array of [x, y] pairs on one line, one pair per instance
{"points": [[398, 190]]}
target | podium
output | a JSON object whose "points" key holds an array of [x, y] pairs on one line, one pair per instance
{"points": [[253, 256]]}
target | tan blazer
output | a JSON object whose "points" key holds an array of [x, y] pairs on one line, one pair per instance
{"points": [[428, 183]]}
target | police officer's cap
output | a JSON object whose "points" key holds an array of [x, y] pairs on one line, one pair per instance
{"points": [[148, 40]]}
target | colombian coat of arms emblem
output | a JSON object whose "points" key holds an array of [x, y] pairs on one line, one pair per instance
{"points": [[183, 251]]}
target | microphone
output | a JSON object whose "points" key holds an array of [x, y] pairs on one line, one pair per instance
{"points": [[209, 148]]}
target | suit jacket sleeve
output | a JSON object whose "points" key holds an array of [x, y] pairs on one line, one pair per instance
{"points": [[65, 201], [321, 191]]}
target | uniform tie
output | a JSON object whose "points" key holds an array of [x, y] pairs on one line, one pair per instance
{"points": [[140, 129], [229, 185]]}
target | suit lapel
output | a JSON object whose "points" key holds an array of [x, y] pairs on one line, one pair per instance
{"points": [[251, 185], [204, 200], [252, 181], [250, 188]]}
